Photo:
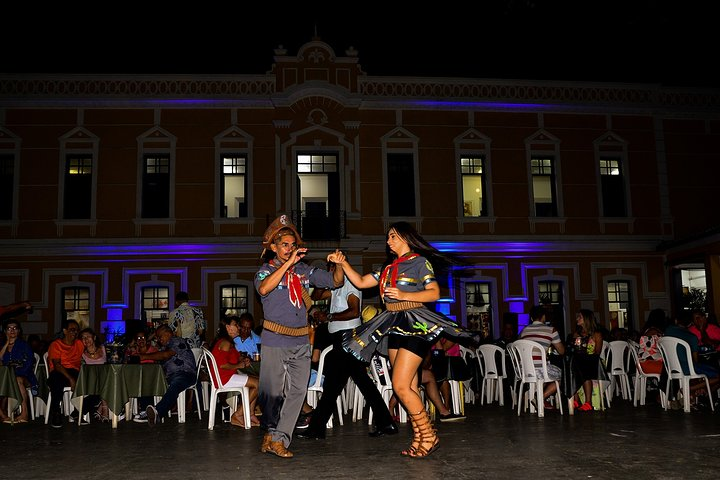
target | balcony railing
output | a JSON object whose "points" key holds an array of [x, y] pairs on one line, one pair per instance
{"points": [[329, 225]]}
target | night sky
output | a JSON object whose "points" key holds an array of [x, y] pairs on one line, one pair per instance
{"points": [[628, 41]]}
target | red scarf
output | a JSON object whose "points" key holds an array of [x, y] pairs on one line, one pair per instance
{"points": [[292, 280], [294, 288], [392, 271]]}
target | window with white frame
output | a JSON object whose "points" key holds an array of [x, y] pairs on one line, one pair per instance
{"points": [[233, 300], [550, 296], [155, 305], [77, 190], [473, 186], [401, 184], [478, 308], [542, 169], [612, 185], [76, 305], [619, 304], [156, 186], [234, 185]]}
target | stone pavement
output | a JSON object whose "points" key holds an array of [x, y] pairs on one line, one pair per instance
{"points": [[494, 443]]}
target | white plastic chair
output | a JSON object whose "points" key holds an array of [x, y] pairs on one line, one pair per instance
{"points": [[525, 351], [641, 378], [384, 385], [216, 388], [28, 392], [492, 373], [66, 404], [197, 353], [616, 360], [315, 390], [515, 387], [470, 358], [671, 363]]}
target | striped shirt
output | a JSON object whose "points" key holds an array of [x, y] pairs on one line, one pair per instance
{"points": [[543, 334]]}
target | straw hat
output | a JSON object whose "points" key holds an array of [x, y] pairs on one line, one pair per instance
{"points": [[369, 312], [278, 224]]}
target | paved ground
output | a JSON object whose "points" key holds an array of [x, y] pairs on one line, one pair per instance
{"points": [[622, 442]]}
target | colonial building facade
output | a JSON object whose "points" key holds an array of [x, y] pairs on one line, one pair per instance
{"points": [[118, 191]]}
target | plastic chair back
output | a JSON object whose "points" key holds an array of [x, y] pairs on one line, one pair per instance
{"points": [[492, 373], [315, 390], [216, 388], [671, 349]]}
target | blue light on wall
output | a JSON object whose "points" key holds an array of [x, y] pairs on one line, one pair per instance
{"points": [[112, 329], [443, 308]]}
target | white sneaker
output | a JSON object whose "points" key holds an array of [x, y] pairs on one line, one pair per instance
{"points": [[140, 417]]}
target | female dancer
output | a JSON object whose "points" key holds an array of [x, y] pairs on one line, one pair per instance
{"points": [[406, 330]]}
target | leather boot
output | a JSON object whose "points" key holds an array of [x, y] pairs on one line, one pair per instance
{"points": [[266, 442], [277, 448]]}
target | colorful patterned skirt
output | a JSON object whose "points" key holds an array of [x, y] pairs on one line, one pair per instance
{"points": [[417, 321]]}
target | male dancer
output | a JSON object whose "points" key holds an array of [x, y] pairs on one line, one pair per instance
{"points": [[340, 365], [286, 350]]}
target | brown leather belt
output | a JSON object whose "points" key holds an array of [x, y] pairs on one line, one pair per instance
{"points": [[404, 305], [283, 330]]}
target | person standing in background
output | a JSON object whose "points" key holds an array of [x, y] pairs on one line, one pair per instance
{"points": [[340, 365], [187, 321]]}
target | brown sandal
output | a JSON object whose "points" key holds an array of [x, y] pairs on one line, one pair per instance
{"points": [[417, 438], [238, 420], [428, 439]]}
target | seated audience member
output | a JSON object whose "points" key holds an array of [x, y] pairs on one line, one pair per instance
{"points": [[649, 351], [178, 363], [680, 329], [708, 334], [229, 360], [447, 364], [587, 347], [93, 354], [139, 345], [547, 336], [64, 359], [508, 334], [17, 353], [136, 347], [247, 342]]}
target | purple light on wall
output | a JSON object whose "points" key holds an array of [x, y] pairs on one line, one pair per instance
{"points": [[170, 249], [503, 105], [467, 247]]}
